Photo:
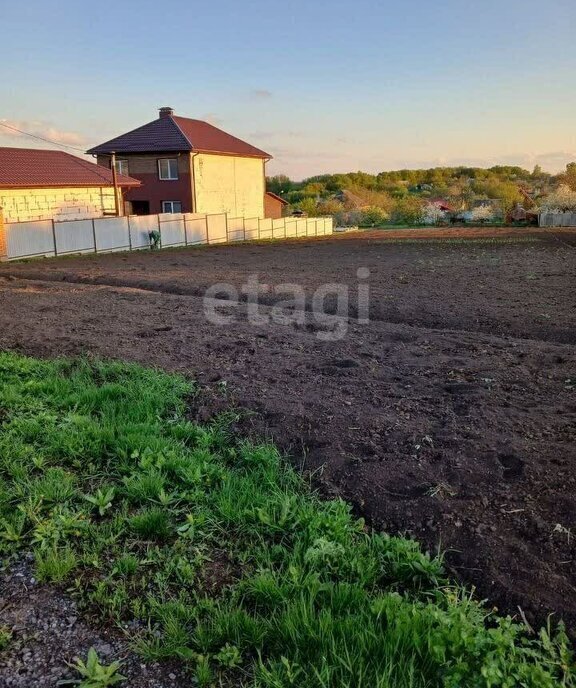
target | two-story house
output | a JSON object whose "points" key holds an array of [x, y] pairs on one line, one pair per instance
{"points": [[186, 165]]}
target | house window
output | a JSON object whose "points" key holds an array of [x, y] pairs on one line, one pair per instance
{"points": [[122, 166], [168, 168], [171, 206]]}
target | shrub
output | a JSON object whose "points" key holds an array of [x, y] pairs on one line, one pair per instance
{"points": [[561, 200], [407, 210], [309, 206], [373, 217], [432, 214], [482, 213], [329, 206]]}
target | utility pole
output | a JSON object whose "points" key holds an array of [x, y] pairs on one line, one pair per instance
{"points": [[115, 183]]}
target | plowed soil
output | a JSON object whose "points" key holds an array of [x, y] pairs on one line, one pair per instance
{"points": [[450, 416]]}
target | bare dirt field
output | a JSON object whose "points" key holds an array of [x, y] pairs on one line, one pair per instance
{"points": [[450, 416]]}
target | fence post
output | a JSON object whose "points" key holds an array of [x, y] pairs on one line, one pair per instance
{"points": [[54, 238], [3, 240], [94, 236], [159, 230], [129, 233], [185, 231], [244, 227], [258, 229]]}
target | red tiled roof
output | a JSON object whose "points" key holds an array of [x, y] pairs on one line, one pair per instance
{"points": [[277, 197], [32, 168], [179, 134], [206, 138], [441, 204]]}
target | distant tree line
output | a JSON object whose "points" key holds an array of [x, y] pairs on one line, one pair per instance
{"points": [[408, 196]]}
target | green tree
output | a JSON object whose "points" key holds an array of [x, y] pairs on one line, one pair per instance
{"points": [[294, 197], [373, 217], [569, 177], [562, 199], [309, 206], [314, 189], [279, 184], [329, 206], [407, 210], [461, 186]]}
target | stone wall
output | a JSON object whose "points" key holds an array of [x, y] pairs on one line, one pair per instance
{"points": [[3, 245], [72, 203]]}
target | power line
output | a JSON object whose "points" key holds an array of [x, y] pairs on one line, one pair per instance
{"points": [[41, 138]]}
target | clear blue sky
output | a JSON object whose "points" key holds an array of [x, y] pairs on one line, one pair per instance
{"points": [[323, 86]]}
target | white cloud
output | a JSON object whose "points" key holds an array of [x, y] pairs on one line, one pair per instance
{"points": [[212, 118], [298, 163], [44, 130], [556, 160], [260, 93], [306, 154], [262, 135]]}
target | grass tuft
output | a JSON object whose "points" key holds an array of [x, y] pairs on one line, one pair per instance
{"points": [[151, 524], [55, 565]]}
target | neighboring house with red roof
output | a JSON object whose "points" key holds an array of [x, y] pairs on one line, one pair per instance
{"points": [[50, 184], [441, 204], [186, 165], [274, 205]]}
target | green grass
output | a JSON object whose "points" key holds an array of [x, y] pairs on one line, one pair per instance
{"points": [[530, 239], [464, 226], [488, 241], [223, 554], [5, 637]]}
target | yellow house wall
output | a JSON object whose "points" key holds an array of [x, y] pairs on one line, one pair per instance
{"points": [[73, 203], [3, 242], [229, 184]]}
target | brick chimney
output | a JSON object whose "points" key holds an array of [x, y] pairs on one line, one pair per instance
{"points": [[166, 112]]}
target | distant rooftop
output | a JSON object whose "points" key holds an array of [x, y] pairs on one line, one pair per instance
{"points": [[171, 133], [277, 197]]}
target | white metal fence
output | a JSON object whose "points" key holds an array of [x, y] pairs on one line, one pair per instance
{"points": [[101, 235], [567, 219]]}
